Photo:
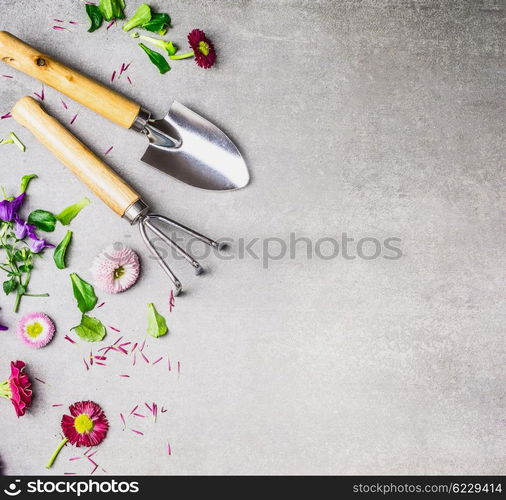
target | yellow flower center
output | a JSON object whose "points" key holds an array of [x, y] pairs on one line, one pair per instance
{"points": [[204, 48], [119, 272], [34, 330], [83, 424]]}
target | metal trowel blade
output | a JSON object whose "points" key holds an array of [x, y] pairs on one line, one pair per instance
{"points": [[190, 148]]}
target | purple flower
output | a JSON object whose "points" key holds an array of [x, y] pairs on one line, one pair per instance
{"points": [[8, 209], [21, 229], [3, 328], [37, 244]]}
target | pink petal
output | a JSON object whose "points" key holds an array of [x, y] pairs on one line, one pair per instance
{"points": [[129, 80], [7, 76], [58, 20], [7, 115], [169, 451], [158, 360], [179, 367], [137, 406], [73, 119], [137, 432], [125, 376], [69, 339], [113, 76], [122, 419], [39, 380], [101, 305], [144, 357], [106, 153], [168, 364], [139, 415], [64, 104], [110, 24], [73, 22], [75, 458], [57, 405], [86, 364], [70, 474]]}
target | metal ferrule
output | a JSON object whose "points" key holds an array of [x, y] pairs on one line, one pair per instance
{"points": [[141, 121], [135, 211]]}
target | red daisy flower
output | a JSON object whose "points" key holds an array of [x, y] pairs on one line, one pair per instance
{"points": [[18, 388], [86, 425], [205, 55]]}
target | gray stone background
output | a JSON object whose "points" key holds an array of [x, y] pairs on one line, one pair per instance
{"points": [[374, 118]]}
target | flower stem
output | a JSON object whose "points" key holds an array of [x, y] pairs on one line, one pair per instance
{"points": [[55, 454], [18, 300], [186, 55], [36, 295]]}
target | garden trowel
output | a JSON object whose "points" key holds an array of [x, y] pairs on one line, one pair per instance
{"points": [[182, 144]]}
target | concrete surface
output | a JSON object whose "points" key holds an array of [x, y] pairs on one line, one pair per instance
{"points": [[377, 119]]}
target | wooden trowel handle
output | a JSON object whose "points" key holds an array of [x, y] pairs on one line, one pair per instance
{"points": [[98, 176], [82, 89]]}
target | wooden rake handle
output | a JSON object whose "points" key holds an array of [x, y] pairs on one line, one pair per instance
{"points": [[80, 88], [98, 176]]}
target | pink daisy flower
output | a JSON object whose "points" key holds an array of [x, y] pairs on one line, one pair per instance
{"points": [[35, 329], [86, 426], [17, 388], [116, 269]]}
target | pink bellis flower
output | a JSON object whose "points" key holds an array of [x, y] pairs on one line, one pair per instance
{"points": [[86, 426], [17, 388]]}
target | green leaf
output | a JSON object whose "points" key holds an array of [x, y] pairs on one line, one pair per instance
{"points": [[60, 251], [67, 214], [158, 23], [90, 329], [112, 9], [142, 16], [10, 285], [43, 220], [25, 180], [84, 293], [157, 59], [25, 268], [96, 17], [157, 326]]}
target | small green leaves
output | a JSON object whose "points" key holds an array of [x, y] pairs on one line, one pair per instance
{"points": [[13, 139], [142, 16], [43, 220], [112, 9], [84, 293], [10, 285], [25, 180], [60, 251], [158, 23], [90, 329], [157, 326], [67, 214], [96, 17], [157, 59]]}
